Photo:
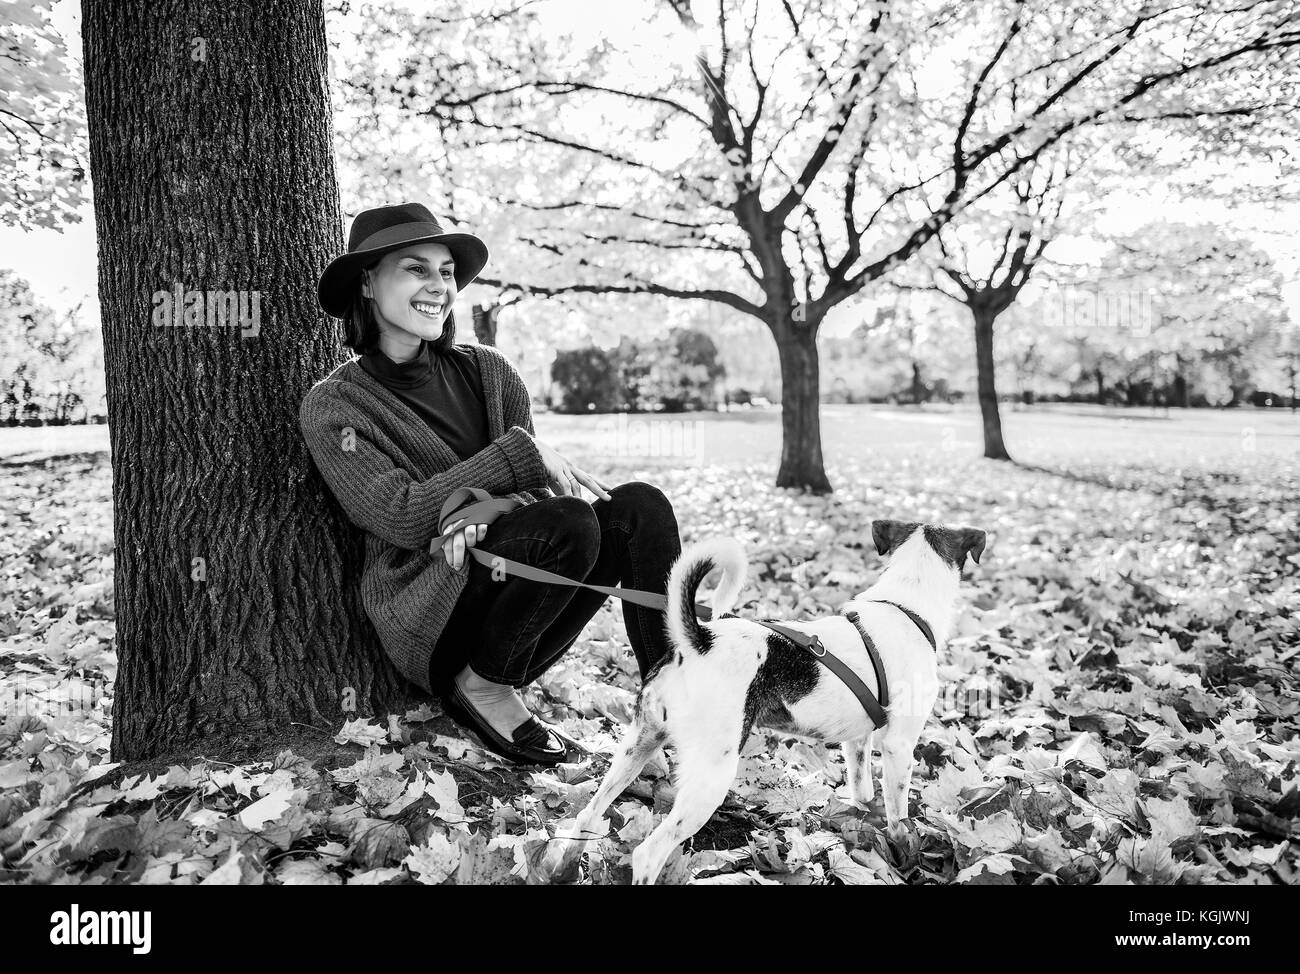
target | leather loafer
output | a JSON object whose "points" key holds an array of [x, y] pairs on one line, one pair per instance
{"points": [[532, 742]]}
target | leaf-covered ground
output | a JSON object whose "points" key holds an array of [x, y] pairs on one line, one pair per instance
{"points": [[1120, 706]]}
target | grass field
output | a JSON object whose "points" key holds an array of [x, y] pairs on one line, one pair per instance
{"points": [[1037, 435], [1130, 639]]}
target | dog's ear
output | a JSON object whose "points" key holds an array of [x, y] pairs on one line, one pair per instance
{"points": [[971, 542], [889, 534]]}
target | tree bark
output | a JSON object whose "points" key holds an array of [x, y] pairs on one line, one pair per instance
{"points": [[1181, 398], [994, 448], [485, 323], [802, 465], [238, 608]]}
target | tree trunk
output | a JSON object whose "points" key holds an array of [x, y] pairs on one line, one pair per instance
{"points": [[801, 436], [1181, 398], [238, 608], [994, 448], [918, 387], [485, 323], [1101, 387]]}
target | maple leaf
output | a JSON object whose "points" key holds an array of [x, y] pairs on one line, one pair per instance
{"points": [[943, 792], [267, 809], [375, 762], [1150, 858], [995, 868], [1171, 820], [375, 877], [849, 871], [361, 731], [434, 861], [306, 872], [442, 788], [236, 869], [376, 842]]}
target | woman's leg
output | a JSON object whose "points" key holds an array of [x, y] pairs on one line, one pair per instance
{"points": [[496, 623], [639, 541]]}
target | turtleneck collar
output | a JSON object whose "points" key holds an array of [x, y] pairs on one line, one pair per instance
{"points": [[401, 374]]}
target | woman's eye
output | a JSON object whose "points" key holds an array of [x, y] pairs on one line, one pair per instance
{"points": [[416, 267], [446, 273]]}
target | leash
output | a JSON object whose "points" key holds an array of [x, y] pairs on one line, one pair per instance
{"points": [[477, 506]]}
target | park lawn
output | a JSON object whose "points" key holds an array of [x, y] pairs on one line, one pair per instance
{"points": [[1121, 704]]}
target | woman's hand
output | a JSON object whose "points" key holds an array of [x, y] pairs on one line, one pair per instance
{"points": [[454, 545], [565, 477]]}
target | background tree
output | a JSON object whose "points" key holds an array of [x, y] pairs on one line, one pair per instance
{"points": [[43, 147], [587, 381], [685, 371], [1190, 309], [51, 367], [776, 152], [236, 603], [984, 260]]}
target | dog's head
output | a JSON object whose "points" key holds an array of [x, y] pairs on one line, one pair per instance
{"points": [[950, 545]]}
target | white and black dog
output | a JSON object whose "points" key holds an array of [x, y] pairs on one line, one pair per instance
{"points": [[727, 675]]}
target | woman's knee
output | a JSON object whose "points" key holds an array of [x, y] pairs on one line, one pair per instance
{"points": [[642, 497], [576, 529]]}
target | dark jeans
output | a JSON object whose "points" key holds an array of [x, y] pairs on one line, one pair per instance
{"points": [[513, 629]]}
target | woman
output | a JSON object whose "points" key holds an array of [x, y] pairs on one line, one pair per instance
{"points": [[397, 430]]}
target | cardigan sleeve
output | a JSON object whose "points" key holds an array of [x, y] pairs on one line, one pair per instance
{"points": [[380, 497]]}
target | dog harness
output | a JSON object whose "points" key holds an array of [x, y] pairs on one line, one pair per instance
{"points": [[876, 708], [479, 507]]}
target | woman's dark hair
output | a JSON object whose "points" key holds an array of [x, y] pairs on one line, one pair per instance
{"points": [[361, 330]]}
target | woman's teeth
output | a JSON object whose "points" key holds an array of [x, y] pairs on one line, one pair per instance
{"points": [[426, 309]]}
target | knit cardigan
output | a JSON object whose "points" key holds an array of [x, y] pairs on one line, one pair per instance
{"points": [[391, 474]]}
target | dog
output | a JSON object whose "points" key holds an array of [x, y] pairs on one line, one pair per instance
{"points": [[725, 676]]}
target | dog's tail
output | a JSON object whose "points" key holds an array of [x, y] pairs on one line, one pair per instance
{"points": [[689, 570]]}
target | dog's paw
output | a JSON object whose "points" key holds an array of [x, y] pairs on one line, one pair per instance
{"points": [[560, 862], [902, 832], [565, 848], [860, 798]]}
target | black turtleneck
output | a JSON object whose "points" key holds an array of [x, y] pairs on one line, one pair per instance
{"points": [[445, 390]]}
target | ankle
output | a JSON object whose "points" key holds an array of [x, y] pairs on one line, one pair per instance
{"points": [[468, 680]]}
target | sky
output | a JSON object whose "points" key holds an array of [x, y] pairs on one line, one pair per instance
{"points": [[60, 265]]}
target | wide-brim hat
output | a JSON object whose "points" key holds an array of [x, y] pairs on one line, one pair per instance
{"points": [[377, 231]]}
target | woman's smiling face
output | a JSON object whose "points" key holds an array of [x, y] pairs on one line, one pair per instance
{"points": [[413, 289]]}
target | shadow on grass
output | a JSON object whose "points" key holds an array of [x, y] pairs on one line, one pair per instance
{"points": [[1080, 477], [1181, 487], [45, 459]]}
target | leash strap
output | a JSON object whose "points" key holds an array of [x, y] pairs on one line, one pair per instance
{"points": [[483, 508], [476, 506]]}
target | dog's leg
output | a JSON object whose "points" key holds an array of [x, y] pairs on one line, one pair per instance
{"points": [[857, 763], [705, 770], [640, 741], [896, 760]]}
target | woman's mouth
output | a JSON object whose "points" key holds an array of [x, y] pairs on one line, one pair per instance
{"points": [[428, 309]]}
